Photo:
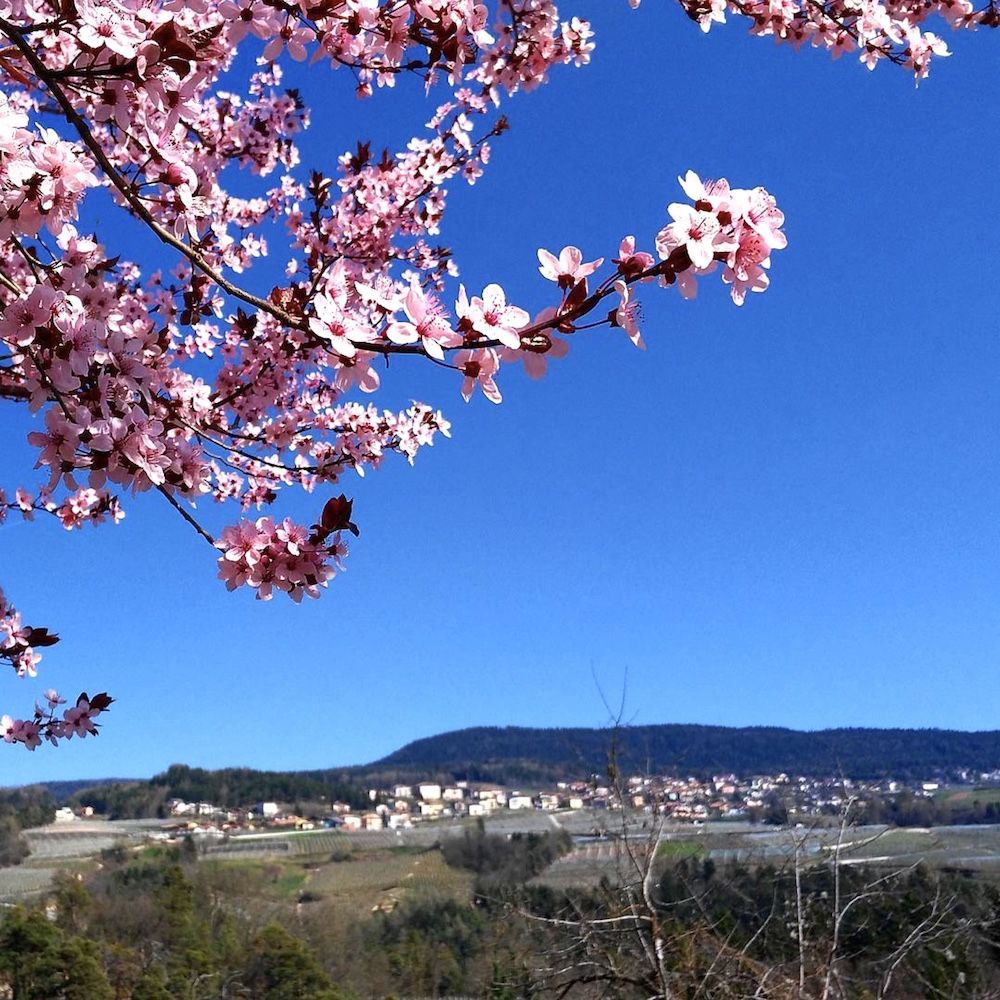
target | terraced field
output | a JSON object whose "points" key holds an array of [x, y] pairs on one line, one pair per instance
{"points": [[18, 884], [311, 843], [973, 848], [55, 846], [84, 838], [585, 866]]}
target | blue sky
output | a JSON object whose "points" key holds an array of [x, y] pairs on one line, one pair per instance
{"points": [[781, 514]]}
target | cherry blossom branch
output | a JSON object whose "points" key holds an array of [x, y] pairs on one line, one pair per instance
{"points": [[145, 381], [125, 189]]}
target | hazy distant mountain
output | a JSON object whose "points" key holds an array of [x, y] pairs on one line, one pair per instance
{"points": [[521, 754], [62, 790]]}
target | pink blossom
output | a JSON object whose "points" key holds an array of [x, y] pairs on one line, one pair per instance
{"points": [[104, 24], [568, 268], [79, 720], [25, 502], [26, 732], [294, 39], [764, 217], [336, 325], [426, 324], [479, 367], [716, 196], [630, 261], [490, 317], [269, 556], [698, 231], [21, 319], [626, 314], [750, 279], [249, 16]]}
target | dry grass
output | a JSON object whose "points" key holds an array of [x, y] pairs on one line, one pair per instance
{"points": [[381, 879]]}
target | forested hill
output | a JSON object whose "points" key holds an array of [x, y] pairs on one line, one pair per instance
{"points": [[231, 787], [519, 754]]}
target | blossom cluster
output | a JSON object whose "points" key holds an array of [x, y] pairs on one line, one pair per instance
{"points": [[20, 643], [83, 506], [77, 720], [183, 378], [893, 31], [42, 177], [19, 646], [273, 556], [737, 228]]}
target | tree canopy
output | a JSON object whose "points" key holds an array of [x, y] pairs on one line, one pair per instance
{"points": [[179, 373]]}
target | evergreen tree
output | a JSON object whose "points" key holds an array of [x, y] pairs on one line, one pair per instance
{"points": [[38, 962], [280, 967]]}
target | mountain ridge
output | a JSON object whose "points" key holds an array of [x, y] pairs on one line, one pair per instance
{"points": [[526, 755], [854, 751]]}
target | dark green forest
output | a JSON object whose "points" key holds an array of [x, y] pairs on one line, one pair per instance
{"points": [[21, 809], [517, 755], [230, 788], [499, 860], [907, 809]]}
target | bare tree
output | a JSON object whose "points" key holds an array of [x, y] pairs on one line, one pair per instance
{"points": [[630, 938]]}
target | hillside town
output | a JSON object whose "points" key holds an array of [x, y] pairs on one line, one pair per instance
{"points": [[779, 798]]}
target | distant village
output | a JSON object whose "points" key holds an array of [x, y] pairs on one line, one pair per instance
{"points": [[692, 800]]}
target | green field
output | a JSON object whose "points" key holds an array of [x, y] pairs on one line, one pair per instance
{"points": [[674, 850], [965, 796]]}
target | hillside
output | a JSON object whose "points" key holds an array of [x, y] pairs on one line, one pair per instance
{"points": [[231, 787], [521, 754]]}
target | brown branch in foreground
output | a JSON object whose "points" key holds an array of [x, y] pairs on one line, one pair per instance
{"points": [[172, 500]]}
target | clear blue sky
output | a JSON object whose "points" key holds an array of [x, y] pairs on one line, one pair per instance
{"points": [[785, 514]]}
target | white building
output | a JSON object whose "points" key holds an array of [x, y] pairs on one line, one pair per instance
{"points": [[495, 795]]}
